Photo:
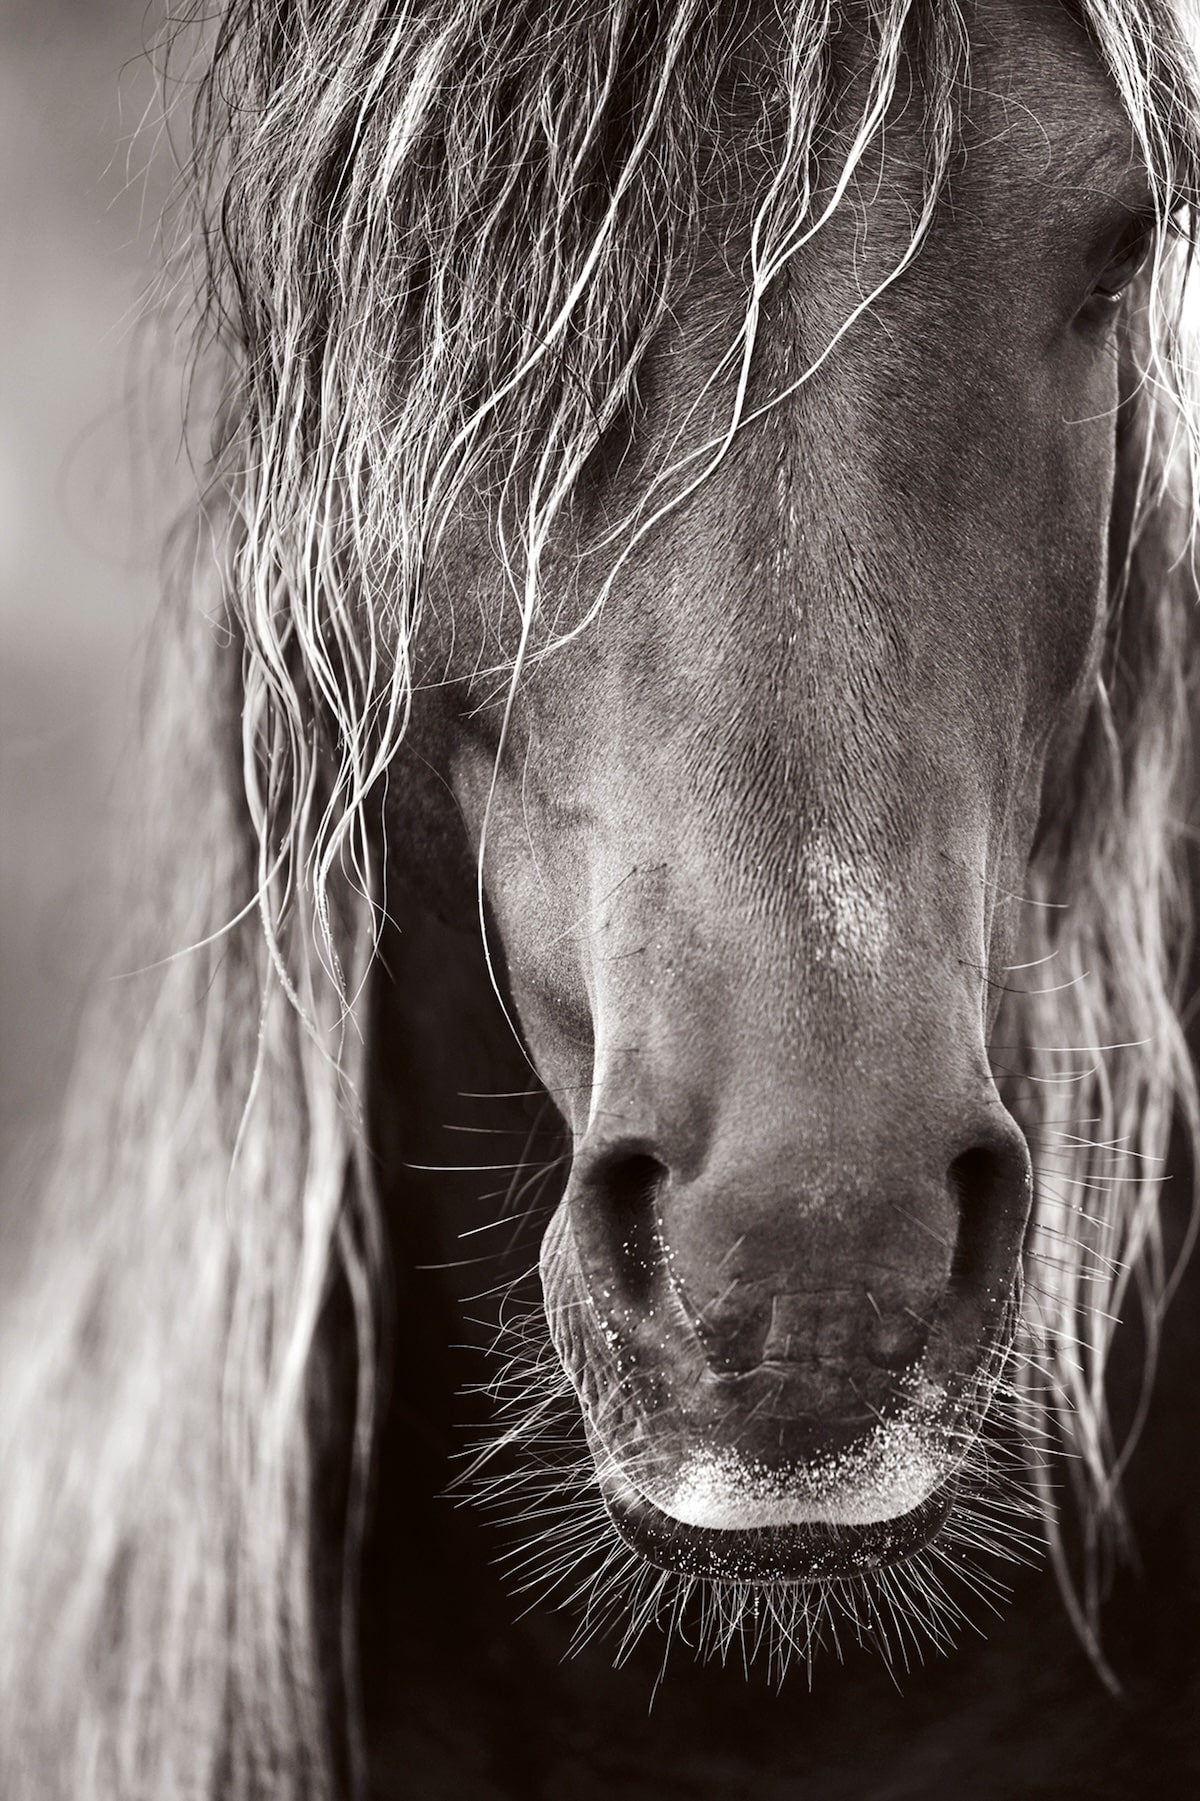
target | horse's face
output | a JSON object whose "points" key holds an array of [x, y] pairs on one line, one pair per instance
{"points": [[755, 839]]}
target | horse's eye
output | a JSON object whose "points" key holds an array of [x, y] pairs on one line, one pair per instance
{"points": [[1127, 257]]}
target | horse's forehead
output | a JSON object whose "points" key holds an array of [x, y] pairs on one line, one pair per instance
{"points": [[1041, 108], [1037, 110], [798, 582], [729, 590]]}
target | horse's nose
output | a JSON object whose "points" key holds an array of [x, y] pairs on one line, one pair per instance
{"points": [[825, 1256]]}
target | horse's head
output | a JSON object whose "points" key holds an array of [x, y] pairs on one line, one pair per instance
{"points": [[721, 455], [813, 645]]}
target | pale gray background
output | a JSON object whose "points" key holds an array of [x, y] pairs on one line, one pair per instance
{"points": [[83, 177]]}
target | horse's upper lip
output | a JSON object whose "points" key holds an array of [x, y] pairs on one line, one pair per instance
{"points": [[809, 1551]]}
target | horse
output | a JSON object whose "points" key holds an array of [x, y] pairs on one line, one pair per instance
{"points": [[654, 992]]}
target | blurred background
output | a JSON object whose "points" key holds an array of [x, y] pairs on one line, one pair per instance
{"points": [[88, 443]]}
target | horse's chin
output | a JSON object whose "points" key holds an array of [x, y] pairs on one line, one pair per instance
{"points": [[794, 1552]]}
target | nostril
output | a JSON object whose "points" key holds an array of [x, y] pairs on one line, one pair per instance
{"points": [[630, 1177], [992, 1184], [977, 1172], [622, 1186], [995, 1174]]}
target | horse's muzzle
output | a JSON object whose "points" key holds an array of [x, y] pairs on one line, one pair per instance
{"points": [[774, 1392]]}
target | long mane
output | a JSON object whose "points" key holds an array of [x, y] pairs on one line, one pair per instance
{"points": [[434, 244]]}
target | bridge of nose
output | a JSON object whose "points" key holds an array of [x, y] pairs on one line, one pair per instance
{"points": [[802, 1117], [721, 1032]]}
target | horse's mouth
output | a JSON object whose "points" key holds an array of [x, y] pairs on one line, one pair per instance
{"points": [[795, 1472], [795, 1551]]}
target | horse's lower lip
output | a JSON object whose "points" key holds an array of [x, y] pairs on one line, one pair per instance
{"points": [[812, 1552]]}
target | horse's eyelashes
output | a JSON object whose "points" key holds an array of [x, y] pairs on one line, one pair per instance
{"points": [[1127, 256]]}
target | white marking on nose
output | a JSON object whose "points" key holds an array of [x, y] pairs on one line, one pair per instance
{"points": [[894, 1469], [846, 905]]}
